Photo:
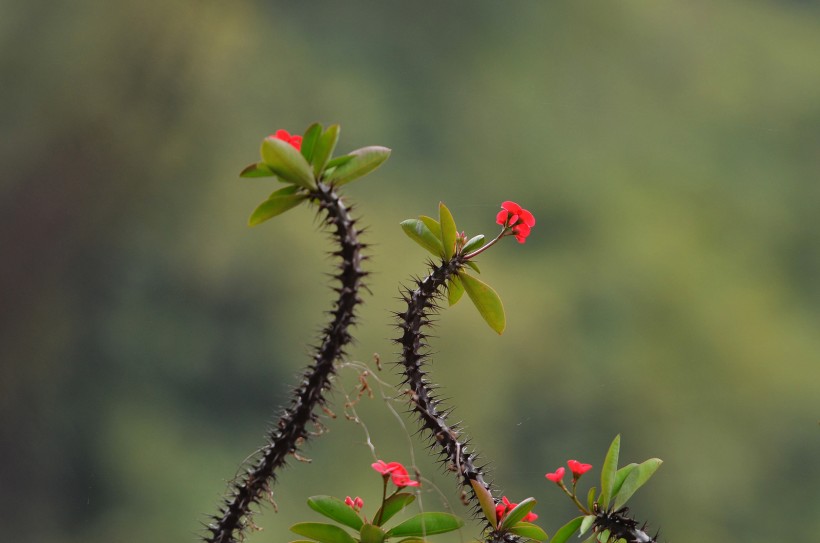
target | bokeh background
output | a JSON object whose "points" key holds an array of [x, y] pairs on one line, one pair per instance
{"points": [[670, 291]]}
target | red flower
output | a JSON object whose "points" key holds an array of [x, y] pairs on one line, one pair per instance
{"points": [[356, 504], [577, 468], [515, 216], [396, 471], [284, 135], [506, 506], [556, 476]]}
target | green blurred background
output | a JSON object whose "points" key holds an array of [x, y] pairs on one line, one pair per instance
{"points": [[670, 291]]}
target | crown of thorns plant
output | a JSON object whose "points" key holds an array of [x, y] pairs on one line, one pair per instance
{"points": [[313, 176]]}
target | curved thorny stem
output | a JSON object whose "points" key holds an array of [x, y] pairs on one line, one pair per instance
{"points": [[452, 444], [291, 430]]}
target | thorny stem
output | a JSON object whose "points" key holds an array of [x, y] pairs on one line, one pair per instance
{"points": [[453, 447], [291, 431]]}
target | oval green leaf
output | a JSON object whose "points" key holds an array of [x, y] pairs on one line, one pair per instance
{"points": [[608, 471], [287, 163], [636, 479], [474, 266], [620, 477], [566, 531], [338, 161], [260, 169], [371, 533], [530, 531], [474, 243], [309, 139], [364, 161], [393, 505], [432, 224], [276, 204], [586, 524], [485, 499], [454, 290], [486, 301], [324, 148], [324, 533], [335, 509], [418, 232], [449, 232], [425, 524], [519, 512]]}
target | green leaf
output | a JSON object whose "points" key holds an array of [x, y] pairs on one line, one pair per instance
{"points": [[260, 169], [608, 471], [486, 301], [636, 479], [519, 512], [324, 148], [530, 531], [620, 477], [472, 244], [448, 230], [393, 505], [418, 232], [324, 533], [413, 540], [473, 265], [586, 524], [432, 224], [287, 163], [604, 536], [485, 499], [454, 290], [591, 498], [278, 202], [566, 531], [309, 140], [335, 509], [364, 161], [371, 533], [425, 524], [338, 161]]}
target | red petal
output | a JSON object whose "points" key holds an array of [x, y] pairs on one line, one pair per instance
{"points": [[512, 207], [283, 135], [527, 217], [501, 218], [559, 473], [521, 229]]}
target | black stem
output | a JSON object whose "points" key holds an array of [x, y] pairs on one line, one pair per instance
{"points": [[284, 439], [453, 446]]}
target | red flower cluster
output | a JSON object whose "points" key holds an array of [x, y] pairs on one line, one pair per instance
{"points": [[515, 216], [396, 471], [577, 468], [505, 506], [284, 135], [355, 504]]}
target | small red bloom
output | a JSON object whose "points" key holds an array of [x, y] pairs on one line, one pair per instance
{"points": [[284, 135], [396, 471], [577, 468], [506, 506], [515, 216], [556, 476], [355, 504]]}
